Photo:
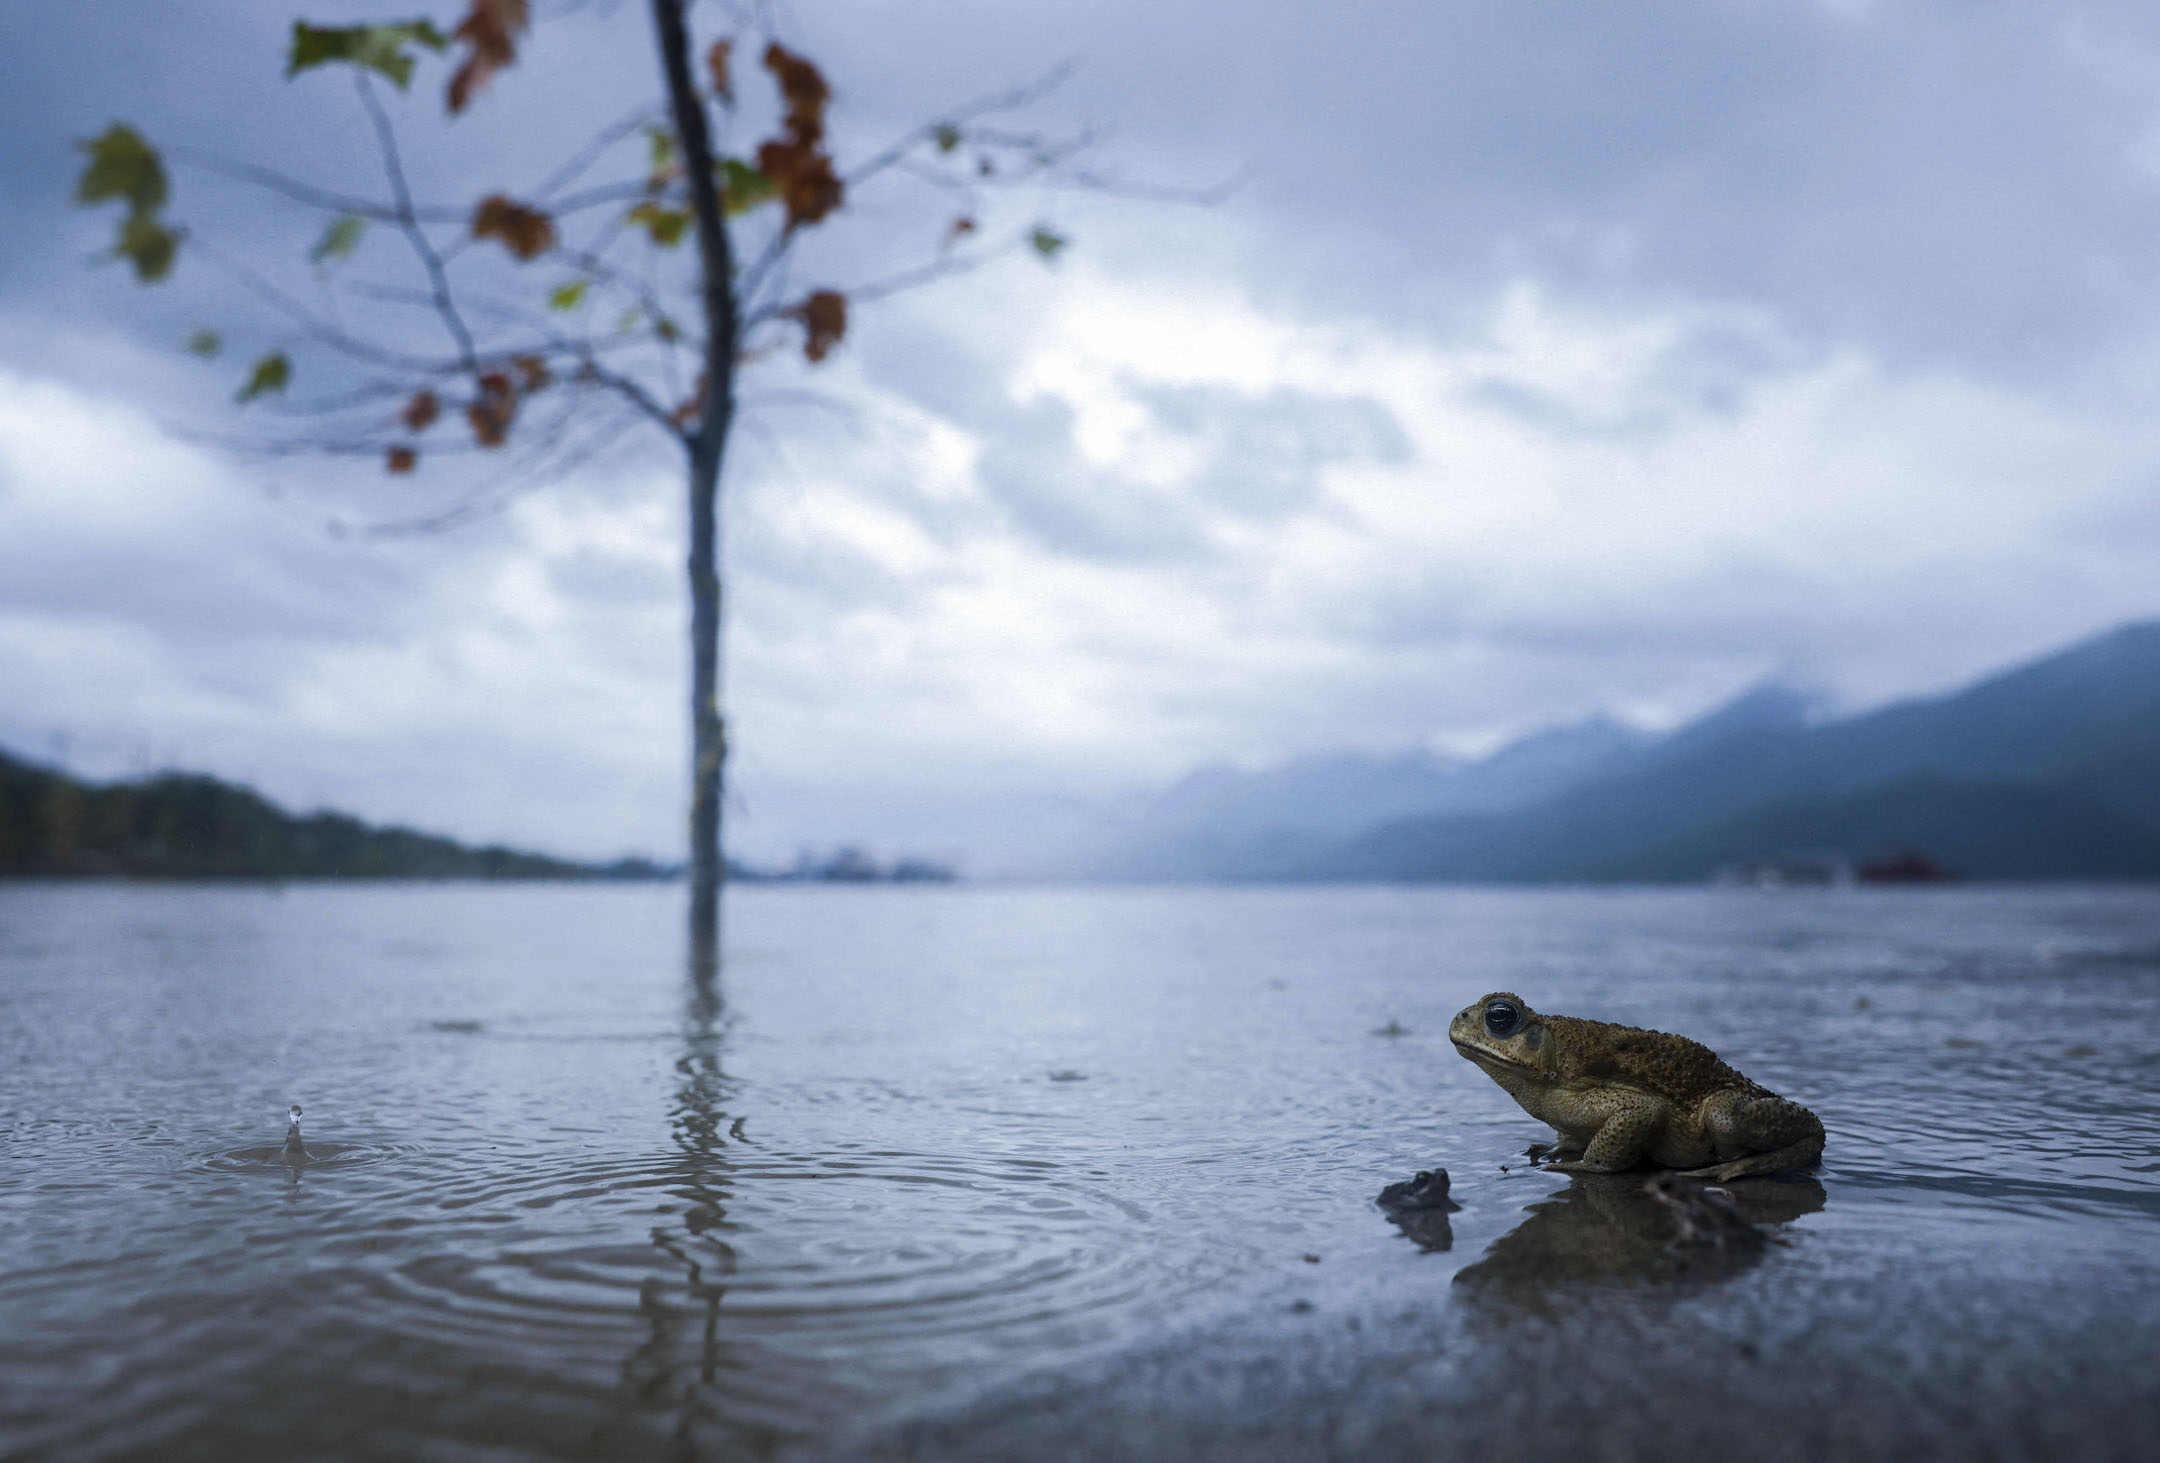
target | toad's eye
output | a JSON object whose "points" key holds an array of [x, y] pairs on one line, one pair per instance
{"points": [[1502, 1018]]}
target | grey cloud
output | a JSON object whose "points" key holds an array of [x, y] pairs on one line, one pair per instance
{"points": [[1266, 453]]}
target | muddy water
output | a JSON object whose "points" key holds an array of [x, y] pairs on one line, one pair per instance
{"points": [[926, 1166]]}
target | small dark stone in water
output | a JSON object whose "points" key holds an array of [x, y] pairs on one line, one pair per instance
{"points": [[1420, 1206], [1393, 1028], [1703, 1217], [1301, 1306], [1964, 1043], [1312, 1259], [462, 1028], [2081, 1051], [1067, 1074], [1428, 1190]]}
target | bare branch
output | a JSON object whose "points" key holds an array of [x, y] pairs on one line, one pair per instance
{"points": [[393, 167], [602, 143], [311, 322], [304, 192]]}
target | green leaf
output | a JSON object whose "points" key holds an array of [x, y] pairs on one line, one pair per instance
{"points": [[1047, 242], [667, 330], [338, 240], [667, 226], [148, 245], [743, 186], [379, 48], [947, 136], [204, 342], [122, 165], [659, 149], [270, 374], [568, 296]]}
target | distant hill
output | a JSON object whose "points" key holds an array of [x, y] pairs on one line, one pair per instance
{"points": [[184, 826], [1227, 823], [2051, 770]]}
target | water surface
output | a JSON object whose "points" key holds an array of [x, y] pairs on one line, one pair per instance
{"points": [[917, 1150]]}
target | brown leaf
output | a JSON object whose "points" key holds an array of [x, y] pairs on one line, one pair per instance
{"points": [[803, 174], [958, 229], [534, 371], [489, 31], [804, 90], [420, 413], [690, 407], [716, 62], [492, 411], [402, 460], [824, 319], [526, 232]]}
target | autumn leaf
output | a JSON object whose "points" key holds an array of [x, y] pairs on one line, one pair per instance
{"points": [[339, 239], [796, 161], [270, 374], [492, 410], [946, 136], [489, 32], [667, 330], [568, 296], [421, 411], [824, 320], [716, 62], [204, 342], [533, 371], [402, 460], [803, 177], [958, 229], [1047, 242], [803, 89], [690, 407], [666, 226], [525, 232], [377, 48], [743, 187]]}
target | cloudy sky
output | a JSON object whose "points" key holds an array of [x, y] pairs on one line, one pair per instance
{"points": [[1548, 360]]}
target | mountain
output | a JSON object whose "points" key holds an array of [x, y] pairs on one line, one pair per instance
{"points": [[181, 825], [1226, 823], [2050, 770]]}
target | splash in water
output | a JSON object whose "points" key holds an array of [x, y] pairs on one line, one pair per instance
{"points": [[294, 1150]]}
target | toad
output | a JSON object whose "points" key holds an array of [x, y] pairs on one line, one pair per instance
{"points": [[1619, 1096]]}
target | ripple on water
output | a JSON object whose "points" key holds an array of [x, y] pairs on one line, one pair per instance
{"points": [[812, 1255]]}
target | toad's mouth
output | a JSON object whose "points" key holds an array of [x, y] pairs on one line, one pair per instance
{"points": [[1490, 1058]]}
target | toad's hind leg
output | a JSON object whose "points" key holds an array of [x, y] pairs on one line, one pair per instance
{"points": [[1758, 1133]]}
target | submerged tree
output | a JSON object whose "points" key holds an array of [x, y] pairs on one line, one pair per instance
{"points": [[543, 324]]}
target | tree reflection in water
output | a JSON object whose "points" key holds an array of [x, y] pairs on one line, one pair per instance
{"points": [[669, 1372]]}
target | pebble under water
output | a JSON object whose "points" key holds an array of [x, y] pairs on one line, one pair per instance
{"points": [[1010, 1172]]}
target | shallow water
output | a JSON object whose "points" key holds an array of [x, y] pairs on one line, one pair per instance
{"points": [[916, 1146]]}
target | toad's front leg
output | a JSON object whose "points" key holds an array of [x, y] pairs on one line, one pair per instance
{"points": [[1633, 1122], [1559, 1150]]}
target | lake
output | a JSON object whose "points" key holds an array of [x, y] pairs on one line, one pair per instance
{"points": [[943, 1172]]}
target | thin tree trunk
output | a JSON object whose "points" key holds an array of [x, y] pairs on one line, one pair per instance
{"points": [[706, 444]]}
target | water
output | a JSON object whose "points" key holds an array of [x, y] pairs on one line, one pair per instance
{"points": [[920, 1149]]}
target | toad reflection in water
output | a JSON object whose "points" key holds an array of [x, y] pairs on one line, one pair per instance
{"points": [[1618, 1096], [1617, 1229]]}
